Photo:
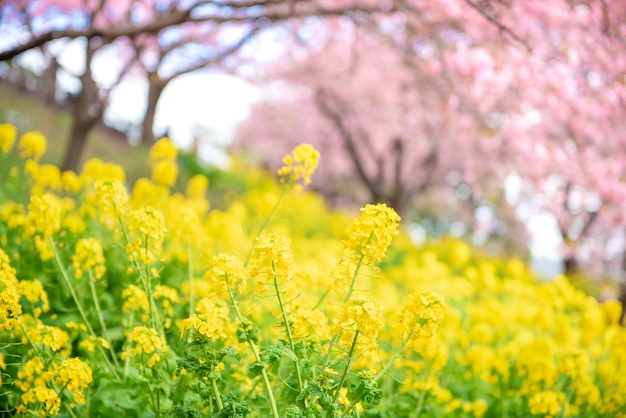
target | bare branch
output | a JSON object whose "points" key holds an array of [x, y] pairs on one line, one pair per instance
{"points": [[177, 17], [497, 23]]}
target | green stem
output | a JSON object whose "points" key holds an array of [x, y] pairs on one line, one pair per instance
{"points": [[256, 353], [67, 407], [105, 331], [147, 283], [266, 220], [216, 393], [336, 337], [289, 335], [144, 277], [32, 344], [190, 278], [393, 358], [420, 404], [127, 361], [347, 368], [80, 306]]}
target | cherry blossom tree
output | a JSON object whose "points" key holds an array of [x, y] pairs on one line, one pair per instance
{"points": [[502, 89], [154, 31]]}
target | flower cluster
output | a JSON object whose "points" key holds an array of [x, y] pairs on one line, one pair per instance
{"points": [[88, 256], [8, 133], [32, 145], [75, 375], [360, 320], [10, 306], [300, 165], [371, 233], [211, 319], [162, 159], [422, 314], [271, 259], [148, 225], [502, 343], [146, 341], [227, 273]]}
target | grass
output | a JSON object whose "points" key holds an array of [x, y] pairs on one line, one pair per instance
{"points": [[27, 112]]}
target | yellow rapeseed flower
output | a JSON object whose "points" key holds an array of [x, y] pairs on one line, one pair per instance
{"points": [[75, 375], [226, 272], [34, 292], [148, 226], [422, 314], [163, 149], [371, 233], [211, 319], [271, 258], [32, 144], [146, 340], [164, 172], [44, 215], [197, 187], [88, 255], [547, 403], [364, 315], [8, 133], [110, 197], [10, 306], [299, 165], [135, 300], [47, 397]]}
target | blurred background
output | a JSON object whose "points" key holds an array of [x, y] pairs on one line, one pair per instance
{"points": [[501, 122]]}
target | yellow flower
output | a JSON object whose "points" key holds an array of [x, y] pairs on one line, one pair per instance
{"points": [[10, 306], [146, 340], [88, 255], [70, 182], [226, 272], [300, 165], [271, 259], [110, 197], [422, 314], [364, 315], [44, 215], [75, 375], [95, 169], [149, 227], [32, 145], [8, 133], [210, 319], [163, 149], [168, 297], [197, 187], [46, 177], [34, 292], [90, 343], [164, 172], [135, 299], [546, 403], [44, 395], [370, 234]]}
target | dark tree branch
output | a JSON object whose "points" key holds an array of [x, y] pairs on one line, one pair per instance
{"points": [[349, 143], [177, 17], [497, 23]]}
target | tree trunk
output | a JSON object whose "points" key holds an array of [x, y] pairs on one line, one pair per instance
{"points": [[155, 90], [622, 290], [48, 81], [76, 145], [570, 265], [87, 110]]}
